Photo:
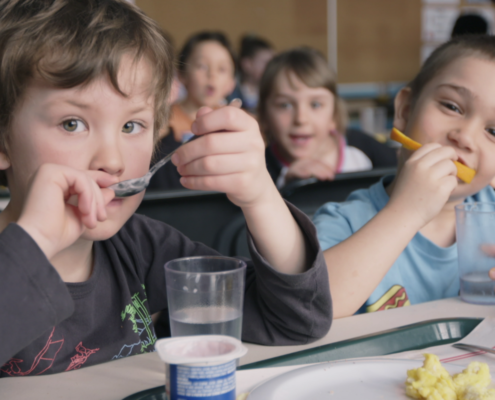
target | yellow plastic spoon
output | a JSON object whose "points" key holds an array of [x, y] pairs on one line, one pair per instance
{"points": [[464, 173]]}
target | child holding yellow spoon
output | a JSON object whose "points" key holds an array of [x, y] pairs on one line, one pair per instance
{"points": [[394, 244]]}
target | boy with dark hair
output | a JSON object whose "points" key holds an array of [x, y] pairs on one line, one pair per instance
{"points": [[83, 86]]}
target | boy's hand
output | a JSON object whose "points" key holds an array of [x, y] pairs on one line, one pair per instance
{"points": [[48, 217], [230, 158], [425, 183], [307, 168]]}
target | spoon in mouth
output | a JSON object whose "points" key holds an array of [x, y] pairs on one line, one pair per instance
{"points": [[130, 187], [134, 186]]}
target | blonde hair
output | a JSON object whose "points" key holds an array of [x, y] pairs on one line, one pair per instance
{"points": [[68, 43], [311, 67]]}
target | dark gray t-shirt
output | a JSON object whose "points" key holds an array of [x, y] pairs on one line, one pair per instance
{"points": [[66, 326]]}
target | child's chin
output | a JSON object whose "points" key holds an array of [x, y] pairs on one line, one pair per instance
{"points": [[103, 231]]}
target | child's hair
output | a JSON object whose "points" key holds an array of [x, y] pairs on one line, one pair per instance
{"points": [[251, 44], [67, 43], [463, 46], [311, 67], [205, 36]]}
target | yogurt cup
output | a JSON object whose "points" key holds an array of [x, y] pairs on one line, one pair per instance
{"points": [[200, 367]]}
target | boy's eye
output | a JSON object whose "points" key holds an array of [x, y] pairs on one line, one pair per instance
{"points": [[131, 127], [491, 131], [283, 105], [73, 125], [451, 107], [315, 104]]}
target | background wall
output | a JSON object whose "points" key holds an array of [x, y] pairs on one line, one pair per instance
{"points": [[377, 40], [286, 23]]}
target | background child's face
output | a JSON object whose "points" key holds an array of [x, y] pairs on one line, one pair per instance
{"points": [[209, 74], [91, 127], [457, 109], [299, 118], [255, 66]]}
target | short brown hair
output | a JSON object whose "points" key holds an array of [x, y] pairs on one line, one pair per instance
{"points": [[200, 37], [311, 67], [481, 46], [68, 43]]}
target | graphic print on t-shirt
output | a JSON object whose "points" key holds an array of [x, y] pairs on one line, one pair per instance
{"points": [[79, 359], [395, 297], [45, 359], [142, 324]]}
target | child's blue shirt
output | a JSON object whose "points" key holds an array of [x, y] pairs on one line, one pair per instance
{"points": [[423, 271]]}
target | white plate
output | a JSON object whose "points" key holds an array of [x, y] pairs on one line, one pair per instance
{"points": [[368, 379]]}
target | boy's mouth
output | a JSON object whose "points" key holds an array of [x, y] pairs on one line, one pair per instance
{"points": [[461, 161], [300, 139], [210, 91]]}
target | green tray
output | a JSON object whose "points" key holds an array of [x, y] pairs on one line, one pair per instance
{"points": [[410, 337]]}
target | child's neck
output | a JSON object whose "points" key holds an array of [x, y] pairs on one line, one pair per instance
{"points": [[74, 264]]}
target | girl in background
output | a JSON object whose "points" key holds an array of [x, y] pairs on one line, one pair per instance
{"points": [[304, 119]]}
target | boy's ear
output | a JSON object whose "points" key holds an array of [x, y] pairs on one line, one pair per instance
{"points": [[402, 105], [4, 161]]}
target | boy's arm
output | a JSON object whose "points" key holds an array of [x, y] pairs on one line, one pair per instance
{"points": [[33, 297], [358, 264], [230, 159]]}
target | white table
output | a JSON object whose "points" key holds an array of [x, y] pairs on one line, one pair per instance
{"points": [[121, 378]]}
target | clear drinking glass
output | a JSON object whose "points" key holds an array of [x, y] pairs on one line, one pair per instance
{"points": [[205, 295], [475, 228]]}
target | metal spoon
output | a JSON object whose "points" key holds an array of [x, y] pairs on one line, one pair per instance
{"points": [[130, 187], [471, 347], [134, 186]]}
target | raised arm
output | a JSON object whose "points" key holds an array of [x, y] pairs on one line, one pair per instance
{"points": [[357, 264], [230, 158]]}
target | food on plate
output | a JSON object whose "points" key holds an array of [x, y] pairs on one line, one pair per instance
{"points": [[433, 382], [464, 173]]}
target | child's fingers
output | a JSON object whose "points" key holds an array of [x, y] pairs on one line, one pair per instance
{"points": [[423, 150], [435, 155], [203, 111], [103, 179], [219, 165], [220, 183], [101, 212], [443, 168], [215, 144], [225, 118]]}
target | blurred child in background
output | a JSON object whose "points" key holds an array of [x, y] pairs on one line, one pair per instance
{"points": [[254, 55], [304, 119], [206, 68]]}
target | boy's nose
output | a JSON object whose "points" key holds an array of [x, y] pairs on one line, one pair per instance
{"points": [[463, 137], [108, 158], [301, 115]]}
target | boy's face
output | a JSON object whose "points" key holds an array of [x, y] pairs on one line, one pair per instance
{"points": [[299, 117], [90, 127], [209, 74], [457, 109]]}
